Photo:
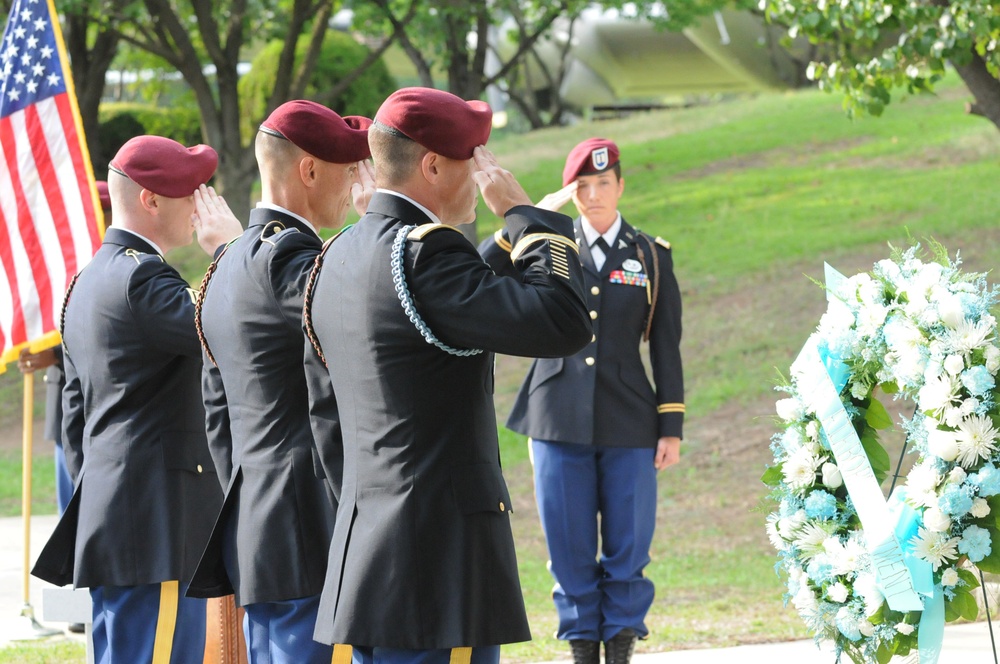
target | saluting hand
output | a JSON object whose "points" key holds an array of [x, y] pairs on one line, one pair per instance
{"points": [[364, 188], [668, 452], [213, 221], [557, 199], [500, 189]]}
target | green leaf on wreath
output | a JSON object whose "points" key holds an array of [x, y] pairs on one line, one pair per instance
{"points": [[877, 456], [877, 416], [885, 652], [970, 579], [963, 605], [994, 503], [889, 388], [773, 475]]}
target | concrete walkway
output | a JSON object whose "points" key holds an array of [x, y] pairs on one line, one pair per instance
{"points": [[963, 644]]}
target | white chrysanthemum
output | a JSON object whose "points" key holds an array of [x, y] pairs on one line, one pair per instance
{"points": [[949, 577], [935, 548], [976, 439], [866, 587], [811, 537], [771, 526], [980, 508], [952, 416], [942, 444], [800, 469], [812, 431], [844, 556], [791, 409], [968, 336], [921, 484], [937, 392], [837, 592], [904, 628], [969, 406], [954, 364]]}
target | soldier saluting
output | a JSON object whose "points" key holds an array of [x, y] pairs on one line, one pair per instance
{"points": [[408, 316]]}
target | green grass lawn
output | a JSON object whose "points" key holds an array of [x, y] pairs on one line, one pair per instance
{"points": [[754, 194]]}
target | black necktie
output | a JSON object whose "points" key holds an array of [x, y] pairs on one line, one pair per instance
{"points": [[602, 245]]}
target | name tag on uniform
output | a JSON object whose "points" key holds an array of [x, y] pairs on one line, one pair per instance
{"points": [[628, 278]]}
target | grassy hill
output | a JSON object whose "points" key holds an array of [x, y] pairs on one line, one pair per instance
{"points": [[754, 194]]}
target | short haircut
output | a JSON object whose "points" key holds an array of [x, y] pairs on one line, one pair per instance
{"points": [[395, 156], [275, 152]]}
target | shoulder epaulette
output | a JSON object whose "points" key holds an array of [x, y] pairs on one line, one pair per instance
{"points": [[663, 243], [501, 241], [271, 229], [139, 256], [422, 230]]}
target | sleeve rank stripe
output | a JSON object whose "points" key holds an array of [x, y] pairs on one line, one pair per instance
{"points": [[501, 241], [529, 240], [670, 408]]}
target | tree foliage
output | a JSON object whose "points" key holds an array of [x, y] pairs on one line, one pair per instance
{"points": [[875, 48]]}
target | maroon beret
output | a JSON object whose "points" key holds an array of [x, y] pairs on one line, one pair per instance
{"points": [[594, 155], [319, 131], [164, 166], [102, 193], [437, 120]]}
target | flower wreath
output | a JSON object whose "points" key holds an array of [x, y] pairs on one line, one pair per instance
{"points": [[916, 329]]}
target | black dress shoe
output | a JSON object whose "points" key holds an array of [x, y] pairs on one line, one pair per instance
{"points": [[76, 628], [618, 649], [585, 652]]}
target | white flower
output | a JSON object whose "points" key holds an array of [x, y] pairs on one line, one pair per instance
{"points": [[957, 475], [921, 484], [942, 444], [980, 508], [949, 577], [866, 628], [992, 355], [789, 524], [810, 539], [954, 364], [812, 431], [831, 475], [976, 439], [937, 393], [867, 588], [790, 410], [969, 406], [845, 557], [771, 526], [936, 521], [805, 600], [968, 336], [950, 310], [935, 548], [837, 592], [904, 628], [800, 469], [952, 416]]}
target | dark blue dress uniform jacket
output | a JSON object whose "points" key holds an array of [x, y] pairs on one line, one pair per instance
{"points": [[277, 508], [422, 554], [133, 425], [601, 395]]}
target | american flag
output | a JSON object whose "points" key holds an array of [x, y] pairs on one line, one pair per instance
{"points": [[50, 217]]}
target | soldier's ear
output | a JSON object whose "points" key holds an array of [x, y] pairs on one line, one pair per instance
{"points": [[307, 171], [150, 201], [430, 166]]}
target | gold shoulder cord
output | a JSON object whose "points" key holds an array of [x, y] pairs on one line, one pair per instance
{"points": [[62, 313], [200, 300], [307, 299]]}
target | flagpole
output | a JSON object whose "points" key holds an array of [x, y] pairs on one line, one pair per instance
{"points": [[29, 628]]}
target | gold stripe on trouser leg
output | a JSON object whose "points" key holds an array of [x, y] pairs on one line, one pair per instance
{"points": [[166, 622], [342, 654], [461, 656]]}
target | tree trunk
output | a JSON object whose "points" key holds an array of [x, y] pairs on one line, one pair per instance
{"points": [[984, 87]]}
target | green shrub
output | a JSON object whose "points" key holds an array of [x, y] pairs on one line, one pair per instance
{"points": [[340, 56]]}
